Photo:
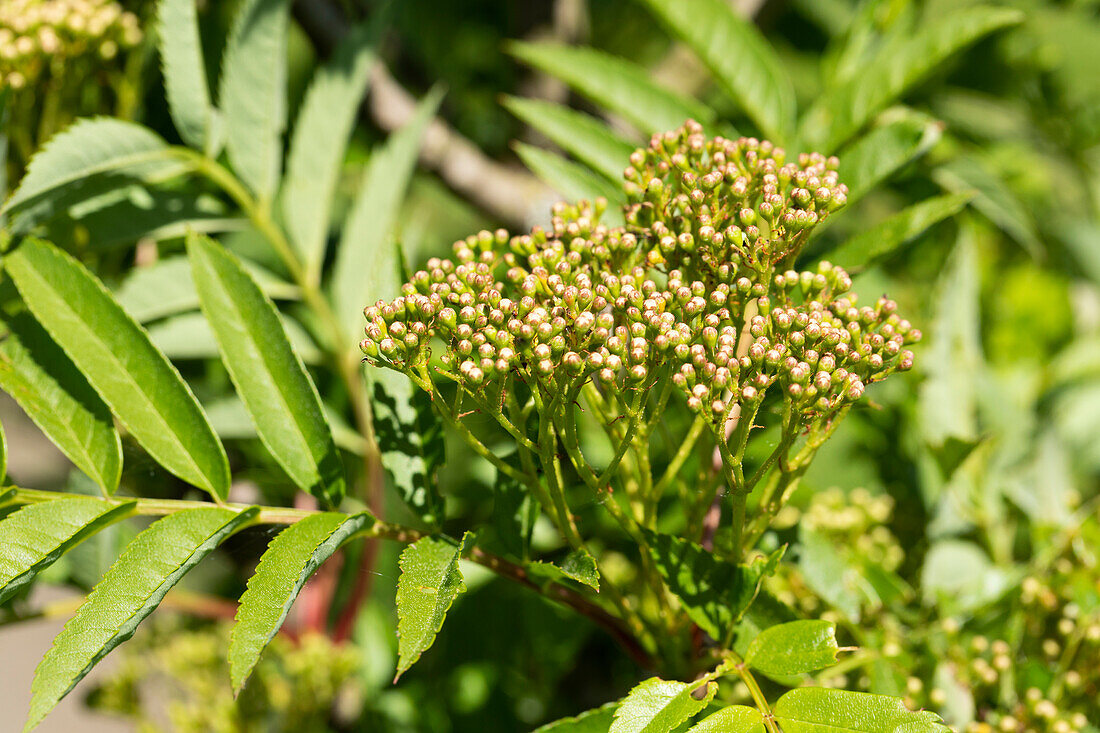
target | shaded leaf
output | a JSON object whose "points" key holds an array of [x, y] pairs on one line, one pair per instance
{"points": [[429, 583], [147, 569], [828, 573], [270, 378], [89, 157], [794, 648], [597, 720], [33, 537], [896, 68], [714, 592], [572, 180], [185, 73], [410, 440], [824, 710], [659, 706], [166, 288], [515, 512], [364, 245], [732, 719], [253, 93], [994, 200], [616, 84], [118, 359], [581, 567], [883, 151], [231, 421], [38, 375], [742, 61], [289, 561], [959, 575], [584, 137], [319, 141], [903, 227]]}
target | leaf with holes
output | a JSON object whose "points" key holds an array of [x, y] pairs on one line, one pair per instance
{"points": [[794, 648], [147, 569], [115, 354], [289, 561], [32, 538], [659, 706], [38, 375], [268, 375], [429, 583]]}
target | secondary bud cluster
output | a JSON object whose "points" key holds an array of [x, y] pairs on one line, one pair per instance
{"points": [[689, 289], [35, 34]]}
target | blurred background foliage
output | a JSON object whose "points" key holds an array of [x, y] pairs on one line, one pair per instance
{"points": [[951, 528]]}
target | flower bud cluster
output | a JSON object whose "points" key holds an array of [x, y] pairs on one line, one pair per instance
{"points": [[630, 305], [36, 33], [711, 206]]}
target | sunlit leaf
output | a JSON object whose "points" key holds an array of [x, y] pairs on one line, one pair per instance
{"points": [[429, 583]]}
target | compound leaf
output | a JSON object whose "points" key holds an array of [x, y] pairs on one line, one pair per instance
{"points": [[319, 141], [429, 583], [253, 93], [289, 561], [794, 648], [659, 706], [142, 388], [147, 569], [586, 138], [714, 592], [185, 73], [904, 226], [896, 68], [616, 84], [883, 151], [88, 158], [374, 214], [268, 374], [32, 538], [741, 60], [571, 180], [38, 375], [826, 710]]}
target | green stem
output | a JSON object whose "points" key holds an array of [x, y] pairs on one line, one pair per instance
{"points": [[757, 694]]}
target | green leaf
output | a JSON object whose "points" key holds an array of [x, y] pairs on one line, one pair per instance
{"points": [[741, 59], [571, 180], [289, 561], [34, 537], [883, 151], [714, 592], [190, 336], [794, 648], [3, 454], [515, 512], [166, 288], [732, 719], [147, 569], [581, 567], [373, 216], [958, 575], [659, 706], [253, 93], [584, 137], [231, 421], [185, 73], [268, 375], [616, 84], [410, 440], [994, 200], [320, 138], [597, 720], [824, 710], [118, 359], [89, 157], [895, 69], [429, 583], [56, 396], [828, 573], [903, 227]]}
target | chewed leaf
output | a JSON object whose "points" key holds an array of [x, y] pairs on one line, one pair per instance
{"points": [[659, 706]]}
